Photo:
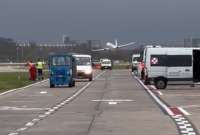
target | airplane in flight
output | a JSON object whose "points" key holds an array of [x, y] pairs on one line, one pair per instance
{"points": [[112, 46]]}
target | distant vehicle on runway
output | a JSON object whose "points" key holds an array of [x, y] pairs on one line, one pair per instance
{"points": [[135, 61], [62, 69], [171, 64], [106, 64], [84, 66]]}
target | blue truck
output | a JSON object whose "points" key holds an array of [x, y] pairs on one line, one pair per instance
{"points": [[62, 70]]}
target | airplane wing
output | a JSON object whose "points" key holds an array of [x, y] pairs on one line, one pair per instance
{"points": [[131, 43], [103, 49]]}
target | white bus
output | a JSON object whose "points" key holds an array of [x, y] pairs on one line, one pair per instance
{"points": [[84, 66], [162, 65]]}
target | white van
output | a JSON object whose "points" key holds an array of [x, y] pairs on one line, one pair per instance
{"points": [[171, 64], [84, 66], [135, 61], [106, 64]]}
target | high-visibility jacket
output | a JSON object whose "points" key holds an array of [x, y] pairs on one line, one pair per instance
{"points": [[39, 65]]}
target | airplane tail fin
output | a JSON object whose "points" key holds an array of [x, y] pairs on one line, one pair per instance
{"points": [[116, 43]]}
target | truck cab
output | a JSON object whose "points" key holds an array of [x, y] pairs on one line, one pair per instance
{"points": [[62, 70]]}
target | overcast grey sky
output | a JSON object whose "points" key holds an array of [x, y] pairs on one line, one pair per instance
{"points": [[127, 20]]}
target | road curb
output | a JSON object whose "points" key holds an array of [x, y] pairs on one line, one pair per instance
{"points": [[183, 124]]}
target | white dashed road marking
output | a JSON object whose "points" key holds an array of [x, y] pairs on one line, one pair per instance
{"points": [[43, 92], [112, 103], [53, 109], [114, 100], [3, 108]]}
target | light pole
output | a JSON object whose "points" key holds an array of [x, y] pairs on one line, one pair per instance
{"points": [[18, 75]]}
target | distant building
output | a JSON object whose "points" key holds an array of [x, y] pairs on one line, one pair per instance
{"points": [[66, 39], [192, 42]]}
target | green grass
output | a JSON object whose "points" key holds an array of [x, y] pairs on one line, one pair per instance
{"points": [[12, 80]]}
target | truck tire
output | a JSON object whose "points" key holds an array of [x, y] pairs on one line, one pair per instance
{"points": [[160, 83], [52, 85], [90, 78], [72, 84]]}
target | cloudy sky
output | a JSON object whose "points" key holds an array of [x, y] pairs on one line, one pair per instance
{"points": [[127, 20]]}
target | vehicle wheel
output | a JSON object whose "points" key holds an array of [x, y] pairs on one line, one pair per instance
{"points": [[72, 84], [147, 82], [90, 78], [161, 83], [52, 85]]}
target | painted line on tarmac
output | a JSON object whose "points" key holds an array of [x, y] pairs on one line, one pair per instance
{"points": [[160, 93], [114, 100], [184, 126], [22, 88], [158, 101], [53, 109], [183, 95], [190, 106], [184, 111], [5, 108], [155, 89]]}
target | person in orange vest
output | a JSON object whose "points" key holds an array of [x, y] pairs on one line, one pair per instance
{"points": [[32, 71]]}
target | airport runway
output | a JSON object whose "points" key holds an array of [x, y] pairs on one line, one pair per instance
{"points": [[115, 103]]}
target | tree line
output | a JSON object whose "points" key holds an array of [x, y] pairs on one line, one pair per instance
{"points": [[10, 51]]}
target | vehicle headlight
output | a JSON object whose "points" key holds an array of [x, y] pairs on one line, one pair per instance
{"points": [[88, 71]]}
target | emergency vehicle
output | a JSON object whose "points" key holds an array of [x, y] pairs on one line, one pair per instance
{"points": [[163, 65]]}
